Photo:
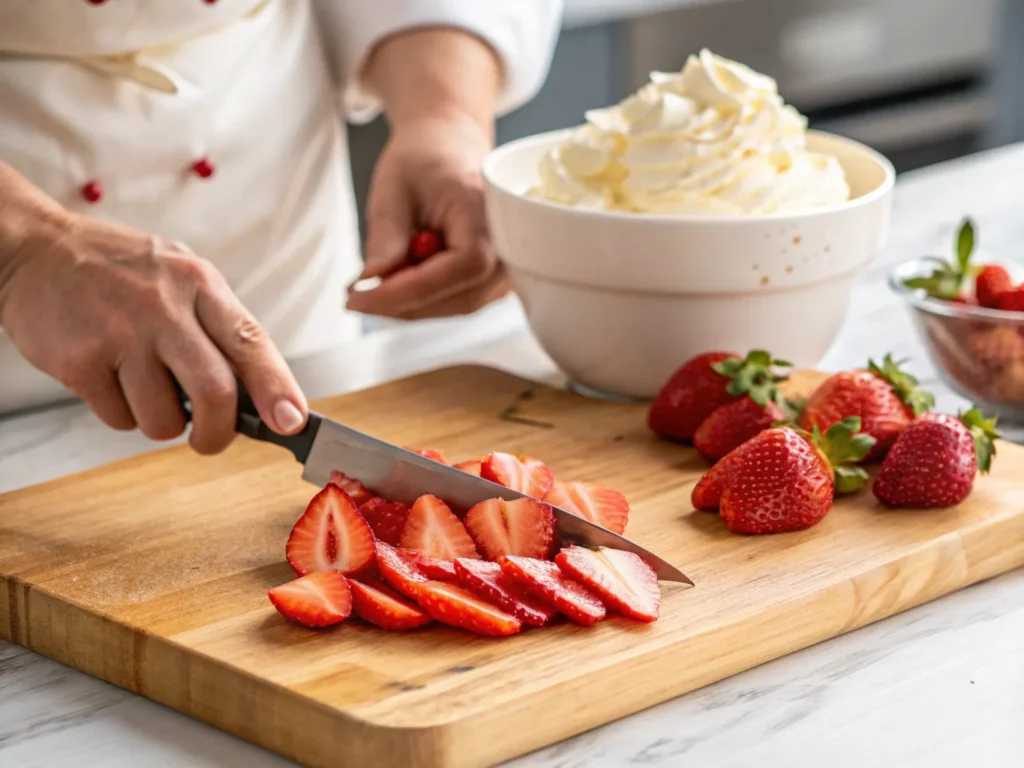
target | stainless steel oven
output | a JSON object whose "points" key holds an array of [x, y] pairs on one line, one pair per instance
{"points": [[909, 77]]}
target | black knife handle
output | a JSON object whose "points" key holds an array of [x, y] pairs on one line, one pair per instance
{"points": [[249, 423]]}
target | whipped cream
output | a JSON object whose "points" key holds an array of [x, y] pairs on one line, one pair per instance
{"points": [[714, 139]]}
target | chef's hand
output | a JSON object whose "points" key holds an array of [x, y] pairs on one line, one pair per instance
{"points": [[438, 88], [113, 313]]}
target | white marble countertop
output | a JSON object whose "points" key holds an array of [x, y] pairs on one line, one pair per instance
{"points": [[940, 685]]}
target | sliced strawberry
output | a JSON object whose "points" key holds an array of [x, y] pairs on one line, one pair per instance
{"points": [[331, 535], [380, 605], [521, 527], [491, 583], [458, 607], [433, 529], [356, 490], [386, 518], [526, 474], [624, 582], [319, 599], [430, 453], [401, 573], [432, 567], [472, 467], [592, 501], [544, 579]]}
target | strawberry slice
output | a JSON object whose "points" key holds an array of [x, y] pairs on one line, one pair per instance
{"points": [[624, 582], [320, 599], [593, 502], [356, 490], [544, 579], [526, 474], [432, 529], [331, 535], [400, 572], [521, 527], [430, 453], [489, 582], [383, 607], [431, 567], [472, 467], [458, 607], [386, 518]]}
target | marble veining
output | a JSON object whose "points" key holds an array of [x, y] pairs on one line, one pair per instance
{"points": [[940, 685]]}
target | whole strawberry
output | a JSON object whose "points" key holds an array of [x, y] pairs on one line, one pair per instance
{"points": [[706, 382], [732, 424], [991, 282], [884, 398], [784, 479], [934, 461], [1012, 300]]}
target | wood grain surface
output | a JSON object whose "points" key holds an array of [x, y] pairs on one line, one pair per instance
{"points": [[152, 574]]}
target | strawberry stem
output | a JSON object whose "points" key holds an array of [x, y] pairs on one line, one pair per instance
{"points": [[904, 385], [984, 433], [754, 375], [946, 280], [843, 445]]}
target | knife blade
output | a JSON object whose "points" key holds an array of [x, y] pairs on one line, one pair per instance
{"points": [[398, 474]]}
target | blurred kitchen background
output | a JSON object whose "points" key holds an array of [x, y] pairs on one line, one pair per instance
{"points": [[920, 80]]}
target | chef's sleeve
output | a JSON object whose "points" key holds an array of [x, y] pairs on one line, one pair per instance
{"points": [[521, 32]]}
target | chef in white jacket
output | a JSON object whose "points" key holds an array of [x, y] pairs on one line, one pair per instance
{"points": [[175, 198]]}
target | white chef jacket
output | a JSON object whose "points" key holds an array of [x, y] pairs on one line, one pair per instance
{"points": [[218, 123]]}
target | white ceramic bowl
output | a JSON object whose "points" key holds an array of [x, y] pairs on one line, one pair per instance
{"points": [[620, 300]]}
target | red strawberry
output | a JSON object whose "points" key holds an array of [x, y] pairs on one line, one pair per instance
{"points": [[356, 490], [624, 582], [544, 579], [884, 398], [423, 245], [525, 474], [430, 453], [992, 281], [1012, 300], [431, 567], [934, 462], [522, 527], [707, 493], [995, 347], [591, 501], [706, 382], [491, 583], [785, 481], [433, 529], [732, 424], [386, 518], [382, 606], [331, 535], [472, 467], [458, 607], [318, 599], [401, 573]]}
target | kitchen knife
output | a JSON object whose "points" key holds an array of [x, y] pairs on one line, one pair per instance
{"points": [[400, 475]]}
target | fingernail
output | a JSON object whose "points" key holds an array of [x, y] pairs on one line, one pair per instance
{"points": [[363, 285], [287, 416]]}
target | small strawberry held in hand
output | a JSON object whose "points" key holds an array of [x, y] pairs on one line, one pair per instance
{"points": [[423, 245], [883, 397], [991, 282], [784, 479], [934, 462]]}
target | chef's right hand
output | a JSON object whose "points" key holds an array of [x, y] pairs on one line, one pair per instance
{"points": [[113, 313]]}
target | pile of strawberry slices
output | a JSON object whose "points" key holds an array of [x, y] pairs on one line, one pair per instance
{"points": [[493, 572], [778, 464]]}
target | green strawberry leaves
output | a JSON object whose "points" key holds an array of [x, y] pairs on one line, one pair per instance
{"points": [[753, 375], [904, 385], [948, 278], [984, 433], [843, 445]]}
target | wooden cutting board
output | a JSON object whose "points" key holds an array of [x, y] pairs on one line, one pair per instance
{"points": [[152, 573]]}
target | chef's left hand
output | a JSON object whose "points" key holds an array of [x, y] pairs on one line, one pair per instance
{"points": [[438, 87]]}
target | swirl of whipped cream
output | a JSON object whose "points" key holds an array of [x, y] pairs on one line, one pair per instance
{"points": [[714, 139]]}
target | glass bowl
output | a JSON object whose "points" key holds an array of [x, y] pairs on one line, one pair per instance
{"points": [[978, 352]]}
